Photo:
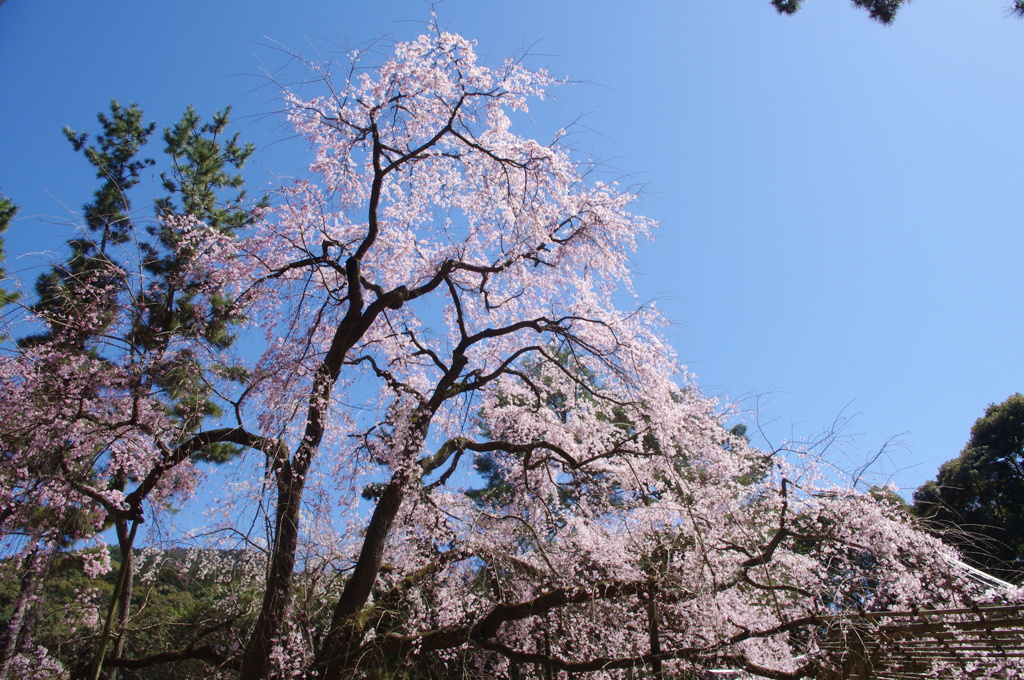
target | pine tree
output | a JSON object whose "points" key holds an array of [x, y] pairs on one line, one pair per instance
{"points": [[126, 271], [882, 11]]}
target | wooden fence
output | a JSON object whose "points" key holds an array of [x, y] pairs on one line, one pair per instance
{"points": [[979, 642]]}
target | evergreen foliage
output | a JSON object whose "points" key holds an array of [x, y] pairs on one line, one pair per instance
{"points": [[115, 158], [975, 501], [882, 11], [7, 212]]}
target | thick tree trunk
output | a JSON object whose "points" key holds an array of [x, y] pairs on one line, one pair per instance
{"points": [[256, 661], [291, 475], [345, 633]]}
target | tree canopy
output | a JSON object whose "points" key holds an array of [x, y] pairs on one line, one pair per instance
{"points": [[975, 499], [442, 290], [882, 11], [7, 212]]}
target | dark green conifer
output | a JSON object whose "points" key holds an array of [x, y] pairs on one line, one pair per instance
{"points": [[7, 213], [115, 157], [975, 500]]}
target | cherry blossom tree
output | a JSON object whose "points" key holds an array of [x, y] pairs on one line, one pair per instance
{"points": [[445, 290]]}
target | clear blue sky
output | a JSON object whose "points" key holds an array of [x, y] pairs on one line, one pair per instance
{"points": [[840, 201]]}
